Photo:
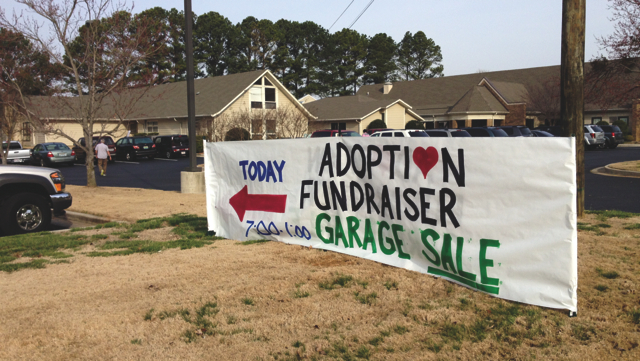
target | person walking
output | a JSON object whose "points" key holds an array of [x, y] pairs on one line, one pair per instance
{"points": [[102, 152]]}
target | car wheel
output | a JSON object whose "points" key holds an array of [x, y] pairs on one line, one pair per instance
{"points": [[25, 212], [168, 154]]}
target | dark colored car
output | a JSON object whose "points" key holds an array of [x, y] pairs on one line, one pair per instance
{"points": [[334, 133], [553, 129], [81, 154], [50, 154], [445, 133], [516, 130], [131, 148], [170, 146], [486, 132], [613, 135], [541, 133]]}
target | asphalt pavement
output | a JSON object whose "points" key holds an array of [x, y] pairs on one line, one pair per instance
{"points": [[604, 192]]}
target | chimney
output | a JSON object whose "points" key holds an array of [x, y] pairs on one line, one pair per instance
{"points": [[387, 87]]}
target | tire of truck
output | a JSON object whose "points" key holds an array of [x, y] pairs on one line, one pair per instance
{"points": [[25, 212]]}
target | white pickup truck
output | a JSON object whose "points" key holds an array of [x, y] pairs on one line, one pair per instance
{"points": [[27, 197], [16, 153]]}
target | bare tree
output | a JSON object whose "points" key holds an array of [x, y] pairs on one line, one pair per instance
{"points": [[615, 79], [544, 98], [96, 43], [283, 122]]}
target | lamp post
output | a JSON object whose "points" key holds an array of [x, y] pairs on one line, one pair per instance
{"points": [[191, 100]]}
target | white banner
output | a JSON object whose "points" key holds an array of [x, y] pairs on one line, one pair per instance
{"points": [[494, 214]]}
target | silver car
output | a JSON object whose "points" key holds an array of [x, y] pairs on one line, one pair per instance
{"points": [[593, 137], [49, 154]]}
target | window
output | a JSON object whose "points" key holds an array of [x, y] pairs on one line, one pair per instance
{"points": [[26, 132], [595, 120], [398, 134], [624, 119], [460, 123], [497, 122], [338, 126], [152, 127], [262, 95], [478, 122]]}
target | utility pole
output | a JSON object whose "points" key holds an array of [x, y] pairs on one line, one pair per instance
{"points": [[572, 86]]}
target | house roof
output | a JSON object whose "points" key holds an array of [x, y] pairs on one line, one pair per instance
{"points": [[444, 92], [351, 107], [478, 99], [213, 95]]}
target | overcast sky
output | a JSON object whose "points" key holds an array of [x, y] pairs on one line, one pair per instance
{"points": [[474, 35]]}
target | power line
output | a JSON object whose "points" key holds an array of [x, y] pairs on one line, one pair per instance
{"points": [[345, 10], [365, 9]]}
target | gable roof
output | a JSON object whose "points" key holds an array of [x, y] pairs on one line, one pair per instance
{"points": [[352, 107], [444, 92], [478, 99], [213, 95]]}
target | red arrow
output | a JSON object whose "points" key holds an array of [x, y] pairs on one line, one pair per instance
{"points": [[243, 201]]}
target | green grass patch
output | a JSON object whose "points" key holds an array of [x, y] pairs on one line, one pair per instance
{"points": [[97, 237], [200, 320], [301, 294], [608, 274], [588, 227], [613, 214], [632, 226], [391, 284], [339, 280], [254, 241], [582, 332], [247, 301], [366, 298], [635, 316], [601, 288], [37, 245]]}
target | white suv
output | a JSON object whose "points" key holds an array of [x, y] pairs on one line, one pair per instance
{"points": [[593, 137], [401, 133]]}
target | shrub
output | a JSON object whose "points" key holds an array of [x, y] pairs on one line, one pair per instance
{"points": [[237, 134], [602, 122], [414, 124], [377, 124], [623, 126]]}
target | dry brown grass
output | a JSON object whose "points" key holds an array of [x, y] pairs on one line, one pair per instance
{"points": [[632, 165], [277, 301]]}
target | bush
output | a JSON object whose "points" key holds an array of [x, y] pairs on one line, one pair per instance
{"points": [[199, 145], [602, 122], [414, 124], [624, 127], [377, 124], [628, 138], [237, 134]]}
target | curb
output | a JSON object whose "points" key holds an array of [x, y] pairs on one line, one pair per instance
{"points": [[86, 217], [606, 170], [628, 145]]}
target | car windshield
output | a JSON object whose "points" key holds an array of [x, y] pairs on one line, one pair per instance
{"points": [[142, 140], [616, 128], [460, 134], [438, 134], [499, 133], [509, 131], [525, 131], [418, 134], [596, 128]]}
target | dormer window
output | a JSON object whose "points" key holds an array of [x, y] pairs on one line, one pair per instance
{"points": [[263, 95]]}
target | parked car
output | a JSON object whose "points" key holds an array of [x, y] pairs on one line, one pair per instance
{"points": [[553, 129], [16, 153], [170, 146], [27, 196], [613, 136], [593, 137], [541, 133], [131, 148], [516, 130], [444, 133], [371, 131], [334, 133], [486, 132], [81, 155], [401, 133], [49, 154]]}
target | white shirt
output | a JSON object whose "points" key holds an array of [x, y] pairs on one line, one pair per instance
{"points": [[102, 151]]}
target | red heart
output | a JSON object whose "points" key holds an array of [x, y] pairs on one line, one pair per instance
{"points": [[425, 159]]}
